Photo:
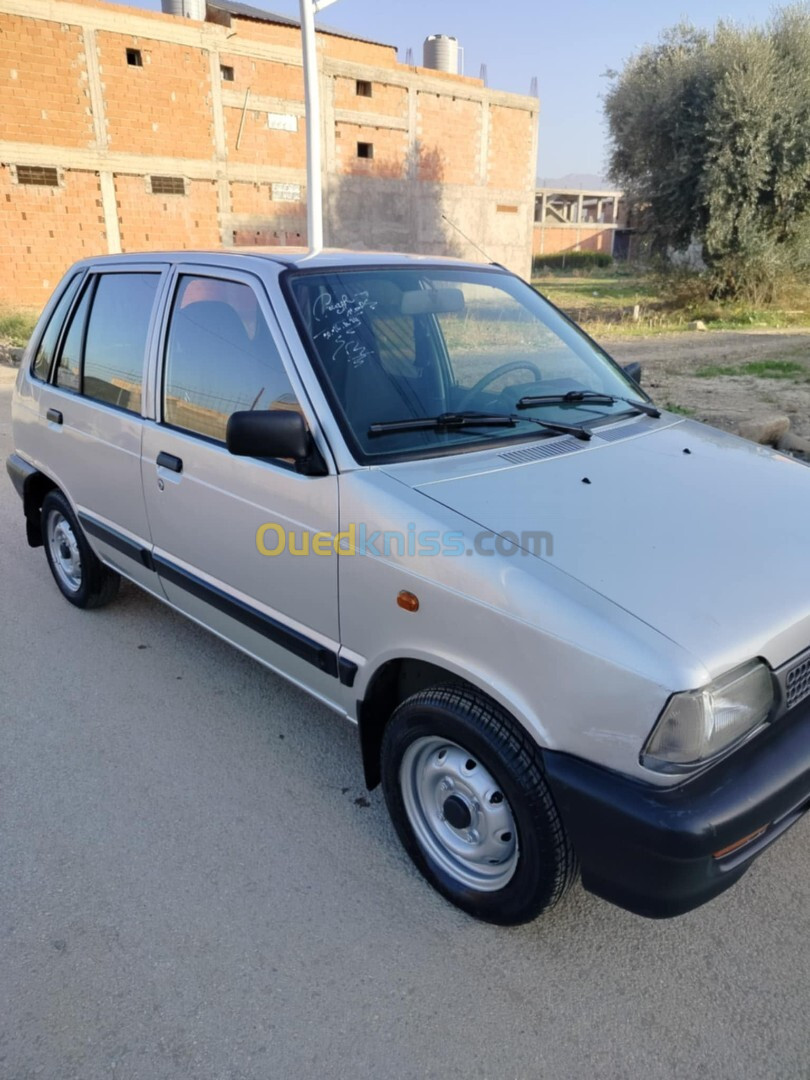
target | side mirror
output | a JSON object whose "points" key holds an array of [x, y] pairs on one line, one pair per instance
{"points": [[274, 433], [634, 371]]}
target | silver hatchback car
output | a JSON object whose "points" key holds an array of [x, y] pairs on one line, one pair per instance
{"points": [[573, 629]]}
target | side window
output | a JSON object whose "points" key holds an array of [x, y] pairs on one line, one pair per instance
{"points": [[41, 367], [68, 367], [116, 339], [220, 358]]}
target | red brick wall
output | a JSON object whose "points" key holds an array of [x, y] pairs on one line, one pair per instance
{"points": [[449, 134], [44, 230], [555, 239], [166, 222], [163, 107], [262, 145], [43, 91], [264, 78], [509, 129], [385, 100], [262, 220], [390, 151]]}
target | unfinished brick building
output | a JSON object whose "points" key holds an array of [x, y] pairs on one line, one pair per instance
{"points": [[122, 129]]}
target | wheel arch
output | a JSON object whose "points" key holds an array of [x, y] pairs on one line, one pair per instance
{"points": [[396, 679], [32, 486]]}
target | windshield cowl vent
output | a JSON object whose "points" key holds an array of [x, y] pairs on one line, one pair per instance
{"points": [[566, 445]]}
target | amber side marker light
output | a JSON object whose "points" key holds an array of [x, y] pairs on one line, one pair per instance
{"points": [[740, 843], [408, 601]]}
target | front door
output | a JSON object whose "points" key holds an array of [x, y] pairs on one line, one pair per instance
{"points": [[216, 518]]}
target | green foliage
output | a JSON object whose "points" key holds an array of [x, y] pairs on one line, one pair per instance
{"points": [[709, 139], [572, 260], [16, 327], [762, 369]]}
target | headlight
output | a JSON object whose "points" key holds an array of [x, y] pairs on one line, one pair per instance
{"points": [[697, 725]]}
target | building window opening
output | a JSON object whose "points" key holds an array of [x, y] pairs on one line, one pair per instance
{"points": [[38, 175], [168, 185]]}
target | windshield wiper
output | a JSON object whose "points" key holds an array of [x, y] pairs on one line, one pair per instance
{"points": [[452, 421], [574, 397]]}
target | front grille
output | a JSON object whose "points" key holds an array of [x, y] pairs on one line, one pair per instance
{"points": [[797, 683]]}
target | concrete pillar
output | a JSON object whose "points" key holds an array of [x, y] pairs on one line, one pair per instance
{"points": [[484, 157], [106, 181], [109, 208], [220, 150]]}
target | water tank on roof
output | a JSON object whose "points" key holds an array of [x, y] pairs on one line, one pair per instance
{"points": [[440, 52], [187, 9]]}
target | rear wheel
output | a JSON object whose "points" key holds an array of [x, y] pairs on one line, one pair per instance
{"points": [[82, 578], [465, 789]]}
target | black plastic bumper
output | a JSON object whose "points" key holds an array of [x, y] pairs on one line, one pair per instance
{"points": [[652, 850]]}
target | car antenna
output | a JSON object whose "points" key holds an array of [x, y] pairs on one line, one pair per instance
{"points": [[467, 238]]}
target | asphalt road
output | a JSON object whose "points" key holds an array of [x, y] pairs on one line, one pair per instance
{"points": [[192, 885]]}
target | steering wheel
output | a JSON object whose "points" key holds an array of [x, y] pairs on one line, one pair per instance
{"points": [[491, 376]]}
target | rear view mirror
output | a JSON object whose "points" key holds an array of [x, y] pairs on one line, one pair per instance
{"points": [[634, 371], [274, 433], [432, 302]]}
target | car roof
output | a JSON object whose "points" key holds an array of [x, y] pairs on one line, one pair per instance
{"points": [[287, 257]]}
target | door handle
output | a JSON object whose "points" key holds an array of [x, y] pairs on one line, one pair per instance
{"points": [[54, 416], [169, 461]]}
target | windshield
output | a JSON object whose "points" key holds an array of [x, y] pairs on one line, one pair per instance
{"points": [[400, 343]]}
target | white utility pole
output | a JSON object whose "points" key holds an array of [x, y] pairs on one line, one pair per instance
{"points": [[312, 98]]}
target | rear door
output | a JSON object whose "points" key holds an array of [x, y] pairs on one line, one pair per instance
{"points": [[214, 517], [91, 412]]}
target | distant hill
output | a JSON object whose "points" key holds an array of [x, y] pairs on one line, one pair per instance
{"points": [[576, 180]]}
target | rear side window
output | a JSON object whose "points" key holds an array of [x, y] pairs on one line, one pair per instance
{"points": [[116, 339], [68, 367], [47, 347], [220, 358]]}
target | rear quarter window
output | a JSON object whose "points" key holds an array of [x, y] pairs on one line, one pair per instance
{"points": [[41, 367]]}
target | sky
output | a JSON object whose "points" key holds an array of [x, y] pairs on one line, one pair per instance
{"points": [[567, 46]]}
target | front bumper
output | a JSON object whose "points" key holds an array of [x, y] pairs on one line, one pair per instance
{"points": [[653, 850]]}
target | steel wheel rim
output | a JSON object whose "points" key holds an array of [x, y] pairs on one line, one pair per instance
{"points": [[64, 550], [459, 813]]}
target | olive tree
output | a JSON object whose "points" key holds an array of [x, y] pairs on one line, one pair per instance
{"points": [[710, 138]]}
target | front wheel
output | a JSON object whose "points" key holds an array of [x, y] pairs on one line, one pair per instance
{"points": [[82, 578], [466, 793]]}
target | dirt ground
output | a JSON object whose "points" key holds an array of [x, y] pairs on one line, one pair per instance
{"points": [[671, 362]]}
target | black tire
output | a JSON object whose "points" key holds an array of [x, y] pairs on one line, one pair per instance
{"points": [[81, 577], [543, 864]]}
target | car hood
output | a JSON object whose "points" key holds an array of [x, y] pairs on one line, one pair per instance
{"points": [[703, 536]]}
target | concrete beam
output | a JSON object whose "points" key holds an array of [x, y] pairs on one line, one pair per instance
{"points": [[378, 120], [92, 160], [235, 99]]}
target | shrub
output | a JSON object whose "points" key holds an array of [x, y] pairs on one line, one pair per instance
{"points": [[572, 260]]}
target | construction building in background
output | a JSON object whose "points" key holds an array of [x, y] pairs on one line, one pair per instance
{"points": [[575, 219], [129, 130]]}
